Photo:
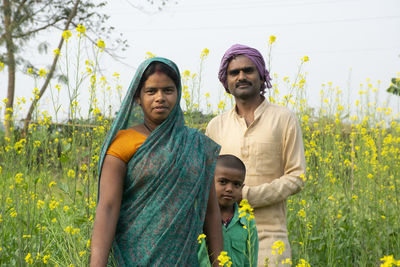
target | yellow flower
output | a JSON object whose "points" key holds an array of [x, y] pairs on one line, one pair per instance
{"points": [[65, 208], [52, 183], [40, 203], [221, 105], [287, 261], [42, 73], [18, 178], [66, 34], [84, 167], [53, 204], [13, 214], [101, 44], [46, 258], [29, 71], [204, 53], [150, 55], [75, 231], [301, 213], [1, 66], [71, 173], [303, 263], [56, 51], [28, 258], [54, 220], [305, 59], [224, 259], [80, 28], [245, 207], [389, 261], [272, 39], [81, 253], [278, 247], [26, 236], [93, 79]]}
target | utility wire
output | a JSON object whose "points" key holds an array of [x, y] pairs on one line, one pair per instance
{"points": [[218, 6], [250, 26]]}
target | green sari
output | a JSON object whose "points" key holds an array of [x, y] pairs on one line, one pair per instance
{"points": [[165, 189]]}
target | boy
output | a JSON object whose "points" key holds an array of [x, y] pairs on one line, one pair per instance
{"points": [[240, 234]]}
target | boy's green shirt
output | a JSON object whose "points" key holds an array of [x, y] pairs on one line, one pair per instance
{"points": [[238, 242]]}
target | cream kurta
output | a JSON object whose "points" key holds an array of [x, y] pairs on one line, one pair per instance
{"points": [[272, 150]]}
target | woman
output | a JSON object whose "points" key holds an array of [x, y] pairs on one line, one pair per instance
{"points": [[156, 183]]}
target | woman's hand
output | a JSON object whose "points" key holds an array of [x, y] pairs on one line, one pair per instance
{"points": [[107, 211]]}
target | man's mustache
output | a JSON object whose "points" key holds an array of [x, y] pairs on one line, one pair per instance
{"points": [[243, 83]]}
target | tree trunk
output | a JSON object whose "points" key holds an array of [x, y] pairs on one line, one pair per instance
{"points": [[51, 72], [8, 113]]}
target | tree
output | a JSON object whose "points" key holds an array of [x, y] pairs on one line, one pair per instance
{"points": [[24, 19], [394, 88]]}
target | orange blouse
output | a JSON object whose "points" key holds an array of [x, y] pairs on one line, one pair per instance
{"points": [[125, 144]]}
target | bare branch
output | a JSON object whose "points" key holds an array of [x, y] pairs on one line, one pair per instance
{"points": [[20, 6], [52, 69], [38, 29]]}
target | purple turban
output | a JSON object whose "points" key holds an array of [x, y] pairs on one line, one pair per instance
{"points": [[253, 55]]}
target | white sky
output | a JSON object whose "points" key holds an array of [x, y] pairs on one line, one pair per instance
{"points": [[337, 35]]}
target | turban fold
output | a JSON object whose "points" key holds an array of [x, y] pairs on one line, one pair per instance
{"points": [[249, 52]]}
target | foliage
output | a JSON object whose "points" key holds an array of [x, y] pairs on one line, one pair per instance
{"points": [[394, 88], [348, 214]]}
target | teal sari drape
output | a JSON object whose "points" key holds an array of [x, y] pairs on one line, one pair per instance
{"points": [[165, 190]]}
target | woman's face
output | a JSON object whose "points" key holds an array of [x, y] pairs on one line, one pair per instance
{"points": [[157, 98]]}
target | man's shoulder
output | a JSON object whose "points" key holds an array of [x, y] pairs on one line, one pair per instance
{"points": [[278, 111], [219, 120], [222, 116], [271, 107]]}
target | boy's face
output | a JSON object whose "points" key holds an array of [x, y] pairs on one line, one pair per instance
{"points": [[228, 185]]}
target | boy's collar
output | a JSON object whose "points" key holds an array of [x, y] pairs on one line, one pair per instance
{"points": [[236, 217]]}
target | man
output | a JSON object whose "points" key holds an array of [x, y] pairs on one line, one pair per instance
{"points": [[267, 138]]}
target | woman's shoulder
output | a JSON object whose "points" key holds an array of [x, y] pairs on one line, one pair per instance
{"points": [[126, 143], [204, 140]]}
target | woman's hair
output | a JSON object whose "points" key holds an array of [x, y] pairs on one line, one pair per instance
{"points": [[157, 66]]}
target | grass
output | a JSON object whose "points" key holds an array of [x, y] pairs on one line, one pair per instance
{"points": [[348, 214]]}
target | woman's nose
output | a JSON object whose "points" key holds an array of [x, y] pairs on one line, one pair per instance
{"points": [[159, 95]]}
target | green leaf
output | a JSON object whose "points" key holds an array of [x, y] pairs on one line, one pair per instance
{"points": [[63, 187], [63, 158]]}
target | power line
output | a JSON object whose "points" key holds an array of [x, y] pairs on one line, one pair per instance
{"points": [[216, 6], [334, 51], [264, 25]]}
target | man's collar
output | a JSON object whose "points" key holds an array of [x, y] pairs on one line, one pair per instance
{"points": [[257, 112]]}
